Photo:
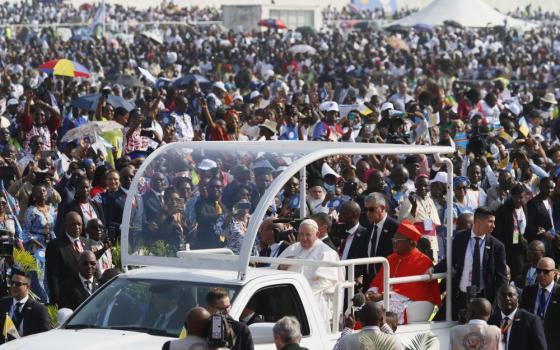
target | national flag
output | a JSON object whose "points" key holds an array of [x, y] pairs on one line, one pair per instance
{"points": [[183, 334], [387, 5], [461, 141], [9, 329], [98, 20], [13, 205], [523, 127]]}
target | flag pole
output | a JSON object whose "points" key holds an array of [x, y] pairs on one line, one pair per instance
{"points": [[104, 16]]}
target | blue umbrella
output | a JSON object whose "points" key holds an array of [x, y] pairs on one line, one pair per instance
{"points": [[422, 27], [89, 102], [188, 79]]}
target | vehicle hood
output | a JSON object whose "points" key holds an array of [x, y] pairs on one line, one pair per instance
{"points": [[86, 339]]}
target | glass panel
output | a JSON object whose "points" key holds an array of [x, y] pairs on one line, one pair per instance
{"points": [[202, 199], [137, 304]]}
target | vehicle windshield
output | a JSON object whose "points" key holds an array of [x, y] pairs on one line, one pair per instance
{"points": [[154, 306]]}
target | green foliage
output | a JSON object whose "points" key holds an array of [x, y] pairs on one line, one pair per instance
{"points": [[116, 254], [378, 343], [53, 314], [423, 341], [25, 261], [160, 248]]}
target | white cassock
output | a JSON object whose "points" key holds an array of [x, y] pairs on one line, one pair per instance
{"points": [[321, 279]]}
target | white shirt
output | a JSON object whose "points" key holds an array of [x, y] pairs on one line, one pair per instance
{"points": [[379, 229], [549, 290], [348, 242], [14, 302], [466, 277], [510, 317]]}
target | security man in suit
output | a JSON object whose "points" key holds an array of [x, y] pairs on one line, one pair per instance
{"points": [[543, 299], [479, 262], [380, 234], [29, 316], [79, 287], [521, 330]]}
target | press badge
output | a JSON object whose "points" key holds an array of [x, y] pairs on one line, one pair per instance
{"points": [[428, 226], [516, 235]]}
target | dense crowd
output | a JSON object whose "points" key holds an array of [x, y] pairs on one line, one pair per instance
{"points": [[492, 93]]}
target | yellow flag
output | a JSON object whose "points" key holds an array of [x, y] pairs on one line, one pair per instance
{"points": [[183, 334], [9, 328]]}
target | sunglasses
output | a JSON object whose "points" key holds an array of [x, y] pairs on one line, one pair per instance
{"points": [[545, 271], [18, 284], [3, 203]]}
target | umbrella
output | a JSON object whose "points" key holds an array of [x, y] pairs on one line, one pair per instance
{"points": [[306, 30], [91, 129], [422, 27], [452, 23], [89, 102], [64, 67], [126, 80], [397, 43], [158, 39], [397, 28], [188, 79], [302, 49], [272, 23]]}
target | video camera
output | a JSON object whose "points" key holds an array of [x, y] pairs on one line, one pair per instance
{"points": [[282, 235], [220, 332], [6, 244]]}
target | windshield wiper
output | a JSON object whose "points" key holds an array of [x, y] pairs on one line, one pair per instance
{"points": [[152, 331], [80, 326]]}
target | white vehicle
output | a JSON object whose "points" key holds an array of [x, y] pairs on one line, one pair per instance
{"points": [[177, 277]]}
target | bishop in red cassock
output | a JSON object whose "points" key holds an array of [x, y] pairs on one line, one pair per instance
{"points": [[407, 260]]}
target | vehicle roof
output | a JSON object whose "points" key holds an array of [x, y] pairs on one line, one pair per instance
{"points": [[204, 275]]}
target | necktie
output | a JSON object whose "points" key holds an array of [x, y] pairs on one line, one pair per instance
{"points": [[18, 315], [161, 200], [505, 326], [476, 263], [343, 245], [218, 208], [78, 246], [87, 284], [542, 303], [372, 270]]}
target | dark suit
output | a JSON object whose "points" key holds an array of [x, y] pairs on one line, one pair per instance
{"points": [[244, 340], [73, 292], [537, 216], [328, 241], [61, 264], [552, 315], [527, 332], [515, 253], [384, 246], [153, 207], [357, 249], [36, 318], [255, 318], [113, 206], [293, 347], [493, 268], [206, 216]]}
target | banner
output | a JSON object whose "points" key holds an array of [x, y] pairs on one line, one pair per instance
{"points": [[387, 5]]}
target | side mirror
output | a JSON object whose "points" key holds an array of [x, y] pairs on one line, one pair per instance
{"points": [[262, 332], [63, 315]]}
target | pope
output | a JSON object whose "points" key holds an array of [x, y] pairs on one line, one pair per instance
{"points": [[407, 260]]}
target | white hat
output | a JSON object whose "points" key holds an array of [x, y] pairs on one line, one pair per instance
{"points": [[327, 170], [13, 102], [328, 106], [386, 106], [268, 74], [549, 98], [513, 107], [237, 97], [254, 94], [441, 177], [207, 164], [220, 85]]}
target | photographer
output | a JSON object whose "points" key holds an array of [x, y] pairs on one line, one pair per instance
{"points": [[217, 301], [196, 325]]}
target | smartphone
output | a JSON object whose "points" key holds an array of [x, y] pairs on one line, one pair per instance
{"points": [[244, 206]]}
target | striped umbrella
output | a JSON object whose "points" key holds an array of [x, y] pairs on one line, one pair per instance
{"points": [[272, 23], [64, 67]]}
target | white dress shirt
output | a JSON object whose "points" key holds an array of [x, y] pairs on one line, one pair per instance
{"points": [[379, 229], [348, 242], [510, 317], [466, 276], [14, 302], [537, 299]]}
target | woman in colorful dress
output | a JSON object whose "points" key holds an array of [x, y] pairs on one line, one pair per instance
{"points": [[38, 230]]}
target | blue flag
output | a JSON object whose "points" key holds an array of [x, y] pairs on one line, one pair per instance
{"points": [[98, 24]]}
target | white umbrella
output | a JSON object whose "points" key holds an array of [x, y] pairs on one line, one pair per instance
{"points": [[302, 49], [153, 36], [91, 130]]}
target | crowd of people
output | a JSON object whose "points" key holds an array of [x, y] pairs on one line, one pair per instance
{"points": [[492, 93]]}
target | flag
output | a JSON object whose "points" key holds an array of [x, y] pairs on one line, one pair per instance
{"points": [[183, 334], [523, 127], [9, 328], [461, 141], [98, 21], [13, 204]]}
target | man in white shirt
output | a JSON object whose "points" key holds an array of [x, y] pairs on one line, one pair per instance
{"points": [[476, 331], [196, 322], [182, 121], [321, 279]]}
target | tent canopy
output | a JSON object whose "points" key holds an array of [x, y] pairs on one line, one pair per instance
{"points": [[471, 13]]}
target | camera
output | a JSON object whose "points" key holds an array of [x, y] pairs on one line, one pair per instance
{"points": [[279, 235], [220, 333], [106, 91], [6, 244]]}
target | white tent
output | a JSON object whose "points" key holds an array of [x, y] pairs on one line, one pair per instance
{"points": [[469, 13]]}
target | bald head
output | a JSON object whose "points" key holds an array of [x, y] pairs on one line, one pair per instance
{"points": [[352, 208], [73, 224], [371, 314], [197, 321], [479, 309], [546, 271]]}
